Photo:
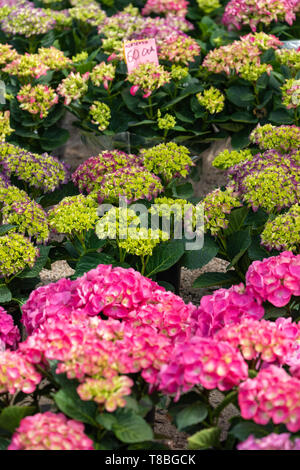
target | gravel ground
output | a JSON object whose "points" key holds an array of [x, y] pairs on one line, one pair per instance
{"points": [[75, 153]]}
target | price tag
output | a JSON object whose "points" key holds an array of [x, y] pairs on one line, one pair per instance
{"points": [[138, 52]]}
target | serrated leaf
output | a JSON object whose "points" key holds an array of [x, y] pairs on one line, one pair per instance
{"points": [[5, 294], [69, 402], [189, 415], [216, 279], [205, 439], [11, 416], [164, 256], [243, 430], [198, 259], [6, 228], [131, 428]]}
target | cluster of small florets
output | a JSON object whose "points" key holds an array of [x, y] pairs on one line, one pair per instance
{"points": [[178, 72], [261, 340], [9, 333], [130, 183], [271, 442], [212, 100], [148, 77], [110, 392], [27, 66], [180, 208], [270, 180], [7, 54], [27, 21], [80, 57], [116, 222], [253, 13], [17, 373], [233, 57], [74, 214], [204, 361], [100, 114], [208, 5], [37, 99], [282, 138], [73, 87], [179, 48], [291, 93], [167, 160], [165, 122], [290, 58], [225, 307], [275, 279], [54, 58], [272, 394], [178, 7], [282, 233], [252, 72], [227, 159], [40, 171], [217, 205], [49, 431], [92, 14], [103, 74], [28, 216], [5, 128], [90, 173], [142, 241], [16, 253]]}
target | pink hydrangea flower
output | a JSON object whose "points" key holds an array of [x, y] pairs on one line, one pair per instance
{"points": [[9, 333], [265, 340], [275, 279], [17, 373], [49, 431], [224, 307], [272, 394], [271, 442], [202, 361]]}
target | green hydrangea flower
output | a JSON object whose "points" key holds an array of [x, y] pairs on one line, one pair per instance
{"points": [[271, 189], [291, 93], [73, 215], [142, 242], [43, 172], [167, 160], [283, 233], [178, 72], [16, 253], [166, 122], [227, 159], [29, 217], [252, 72], [217, 206], [282, 138], [289, 57], [101, 115], [131, 184], [208, 5], [5, 128], [212, 100]]}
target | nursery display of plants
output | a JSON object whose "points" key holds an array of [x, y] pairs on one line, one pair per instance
{"points": [[89, 361]]}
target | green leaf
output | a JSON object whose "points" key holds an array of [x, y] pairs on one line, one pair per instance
{"points": [[216, 279], [69, 402], [6, 228], [243, 430], [4, 443], [91, 261], [243, 116], [131, 428], [274, 312], [182, 191], [56, 196], [240, 96], [256, 251], [11, 416], [281, 116], [237, 245], [164, 256], [166, 285], [205, 439], [240, 140], [54, 137], [198, 259], [5, 294], [39, 264], [107, 420], [236, 220], [191, 414]]}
